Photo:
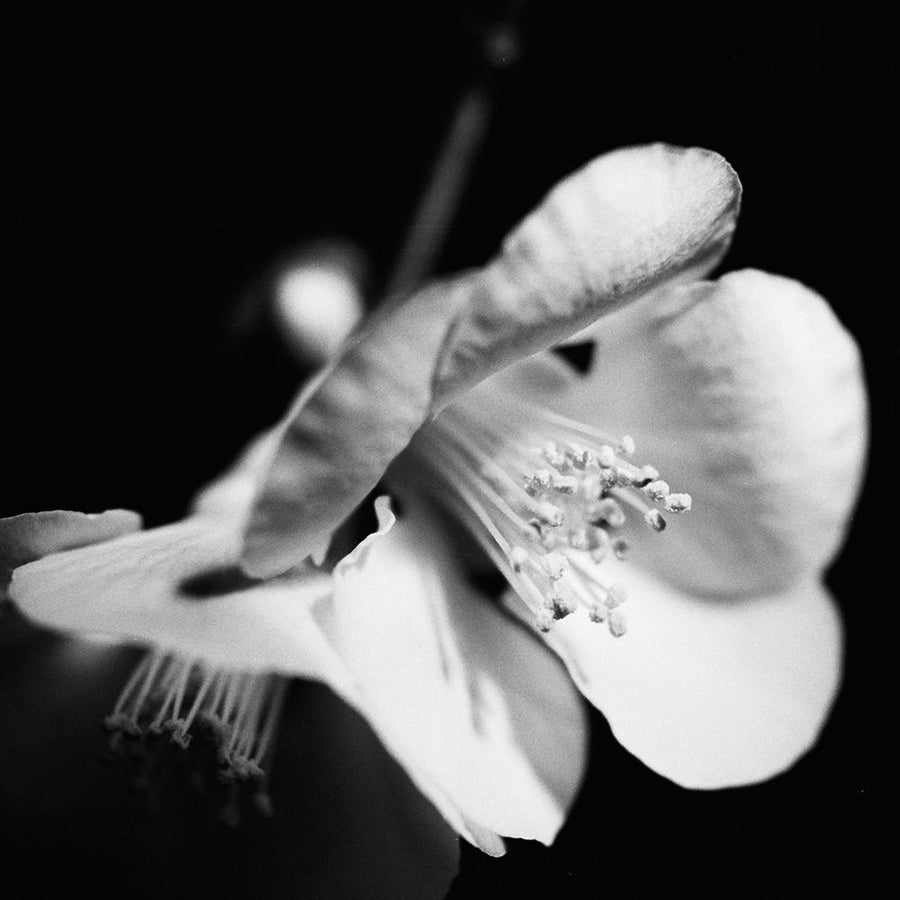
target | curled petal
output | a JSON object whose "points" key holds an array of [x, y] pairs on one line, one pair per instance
{"points": [[30, 536], [710, 693], [482, 717], [748, 394], [618, 228], [612, 231], [345, 429]]}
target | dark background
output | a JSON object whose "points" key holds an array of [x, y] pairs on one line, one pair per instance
{"points": [[162, 166]]}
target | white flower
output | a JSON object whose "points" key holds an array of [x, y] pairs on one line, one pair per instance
{"points": [[721, 665]]}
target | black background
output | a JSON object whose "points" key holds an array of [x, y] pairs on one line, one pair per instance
{"points": [[161, 167]]}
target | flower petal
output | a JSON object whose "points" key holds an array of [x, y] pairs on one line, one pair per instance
{"points": [[748, 394], [607, 234], [485, 721], [615, 230], [345, 429], [30, 536], [710, 693], [179, 588]]}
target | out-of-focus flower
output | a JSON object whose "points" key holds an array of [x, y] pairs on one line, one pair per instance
{"points": [[316, 299], [745, 392]]}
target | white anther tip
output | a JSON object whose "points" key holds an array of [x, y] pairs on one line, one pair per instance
{"points": [[620, 548], [627, 445], [518, 558], [657, 490], [565, 484], [616, 595], [678, 503], [654, 518], [606, 456], [616, 623], [554, 565]]}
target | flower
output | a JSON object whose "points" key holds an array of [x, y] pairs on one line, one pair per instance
{"points": [[720, 671]]}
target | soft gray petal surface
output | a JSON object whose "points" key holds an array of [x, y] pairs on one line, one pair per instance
{"points": [[746, 393], [483, 718], [712, 692]]}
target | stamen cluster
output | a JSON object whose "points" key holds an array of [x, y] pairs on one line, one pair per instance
{"points": [[176, 696], [548, 511]]}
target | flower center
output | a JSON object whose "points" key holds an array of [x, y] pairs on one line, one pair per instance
{"points": [[182, 697], [547, 497]]}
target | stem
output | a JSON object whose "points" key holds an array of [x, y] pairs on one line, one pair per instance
{"points": [[430, 226], [427, 233]]}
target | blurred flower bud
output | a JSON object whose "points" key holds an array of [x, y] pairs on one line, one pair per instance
{"points": [[317, 300]]}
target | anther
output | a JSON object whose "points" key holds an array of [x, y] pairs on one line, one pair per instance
{"points": [[564, 484], [180, 736], [554, 565], [615, 595], [560, 607], [610, 512], [579, 457], [539, 481], [518, 558], [616, 622], [654, 518], [548, 514], [678, 503], [606, 456], [657, 490], [608, 478], [555, 457], [578, 539], [644, 476]]}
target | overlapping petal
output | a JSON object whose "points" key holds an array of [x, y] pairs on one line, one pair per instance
{"points": [[345, 428], [30, 536], [179, 587], [620, 227], [614, 230], [710, 692], [484, 719], [486, 723], [748, 394]]}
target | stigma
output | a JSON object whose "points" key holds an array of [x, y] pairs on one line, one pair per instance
{"points": [[548, 498]]}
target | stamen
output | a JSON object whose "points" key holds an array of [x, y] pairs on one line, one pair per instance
{"points": [[546, 497], [238, 711]]}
